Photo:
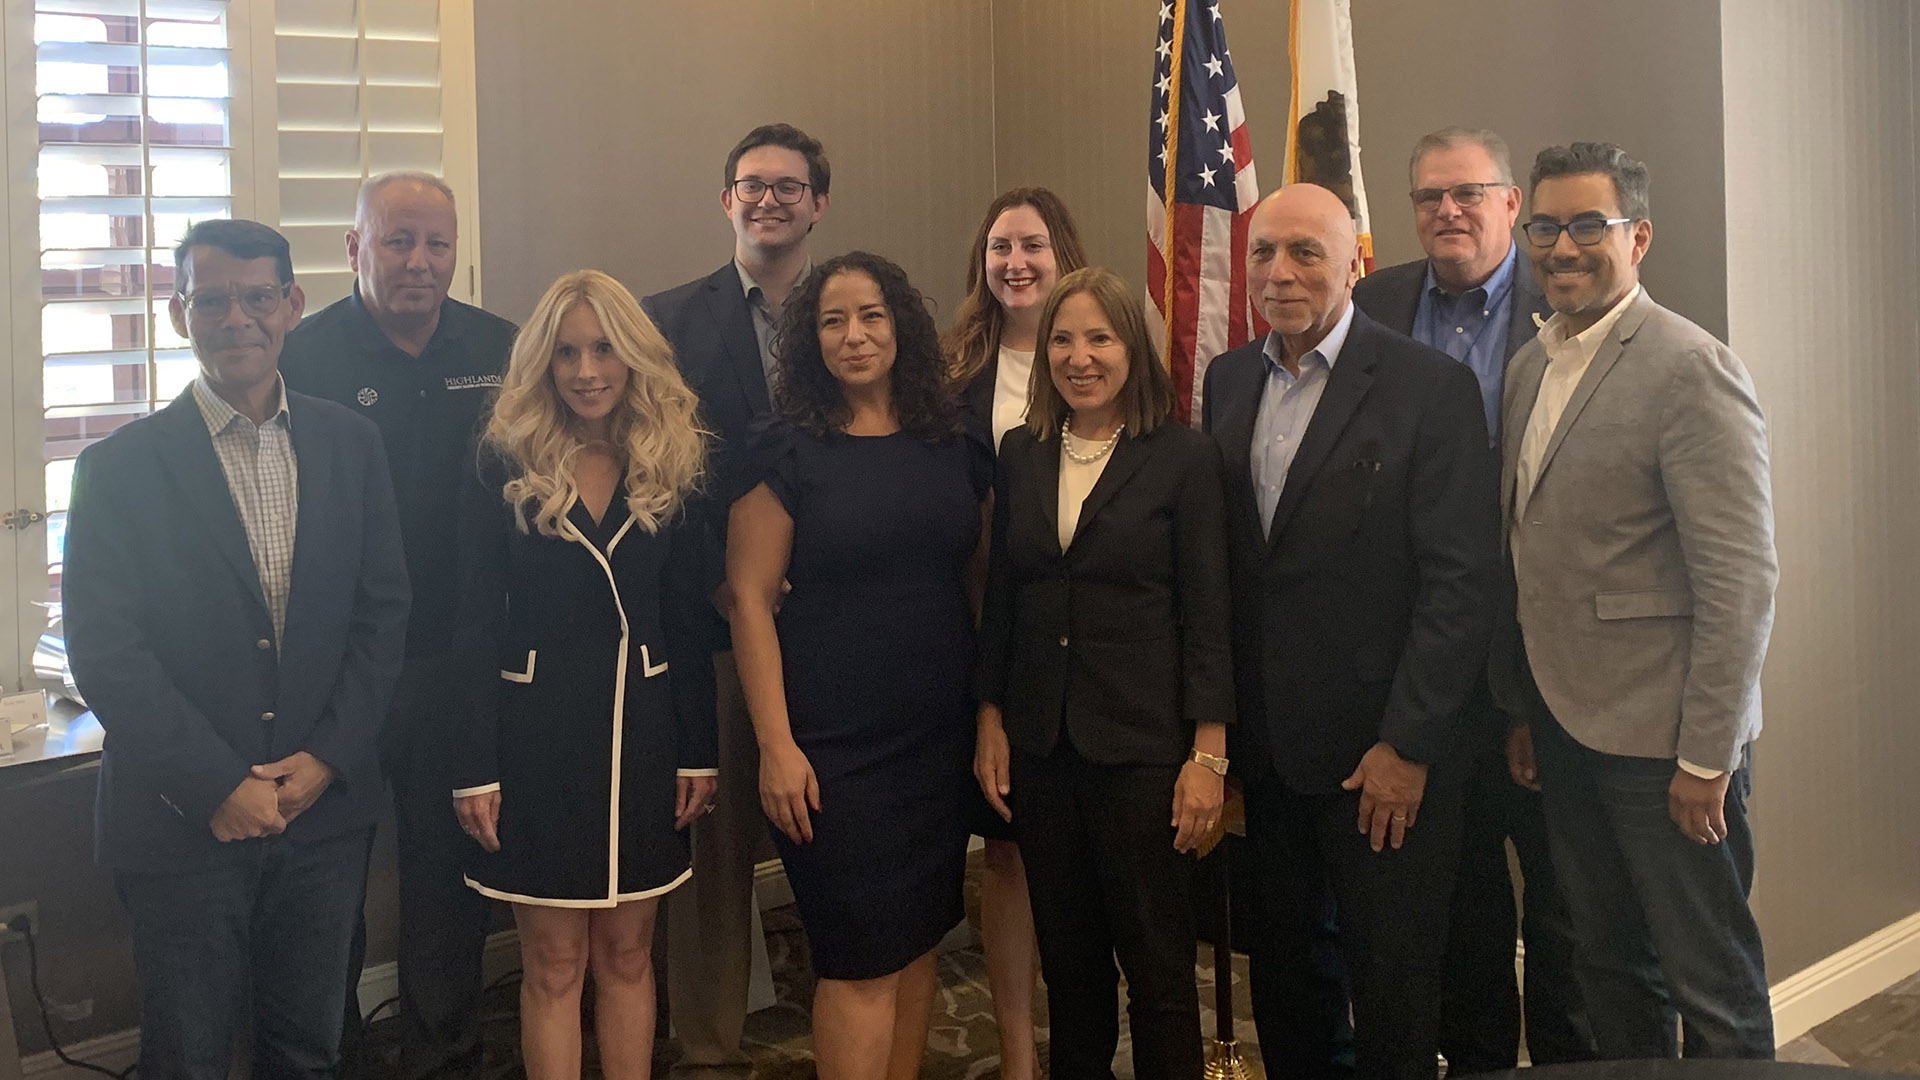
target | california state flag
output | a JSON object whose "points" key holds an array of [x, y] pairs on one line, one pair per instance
{"points": [[1323, 129]]}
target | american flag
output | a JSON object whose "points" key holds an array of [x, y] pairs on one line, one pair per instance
{"points": [[1200, 193]]}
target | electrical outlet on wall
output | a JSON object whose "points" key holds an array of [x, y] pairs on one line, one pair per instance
{"points": [[30, 908]]}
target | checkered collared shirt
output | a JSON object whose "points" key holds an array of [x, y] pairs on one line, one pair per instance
{"points": [[264, 480]]}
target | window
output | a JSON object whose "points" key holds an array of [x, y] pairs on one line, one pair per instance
{"points": [[359, 94], [150, 115], [132, 103]]}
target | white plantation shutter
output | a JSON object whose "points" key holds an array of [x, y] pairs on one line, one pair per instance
{"points": [[359, 93], [127, 120], [134, 143]]}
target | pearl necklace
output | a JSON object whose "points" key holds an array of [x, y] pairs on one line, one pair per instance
{"points": [[1066, 433]]}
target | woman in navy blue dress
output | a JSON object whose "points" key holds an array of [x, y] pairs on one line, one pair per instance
{"points": [[866, 498]]}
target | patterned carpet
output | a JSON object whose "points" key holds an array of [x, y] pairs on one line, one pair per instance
{"points": [[1882, 1034], [962, 1044]]}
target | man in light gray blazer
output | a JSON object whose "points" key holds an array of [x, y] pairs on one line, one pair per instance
{"points": [[1640, 533]]}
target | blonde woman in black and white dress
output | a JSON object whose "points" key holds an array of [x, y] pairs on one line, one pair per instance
{"points": [[590, 746]]}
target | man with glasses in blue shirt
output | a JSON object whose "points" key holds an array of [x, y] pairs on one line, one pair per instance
{"points": [[1473, 299], [721, 327], [1638, 519]]}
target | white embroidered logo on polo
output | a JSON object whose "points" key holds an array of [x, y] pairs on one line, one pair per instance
{"points": [[367, 396]]}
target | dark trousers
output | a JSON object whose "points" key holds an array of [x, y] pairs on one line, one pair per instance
{"points": [[1105, 882], [1662, 922], [443, 923], [1342, 923], [265, 938], [1481, 1001]]}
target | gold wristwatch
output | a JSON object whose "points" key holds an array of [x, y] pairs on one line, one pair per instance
{"points": [[1218, 765]]}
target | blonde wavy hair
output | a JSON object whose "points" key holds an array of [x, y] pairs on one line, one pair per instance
{"points": [[653, 428]]}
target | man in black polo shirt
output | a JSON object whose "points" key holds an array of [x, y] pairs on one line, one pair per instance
{"points": [[419, 365]]}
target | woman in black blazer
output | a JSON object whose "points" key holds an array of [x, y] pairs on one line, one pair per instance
{"points": [[1103, 680], [1025, 241]]}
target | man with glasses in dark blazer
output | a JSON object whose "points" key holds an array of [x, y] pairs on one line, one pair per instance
{"points": [[1473, 298], [721, 328], [236, 601]]}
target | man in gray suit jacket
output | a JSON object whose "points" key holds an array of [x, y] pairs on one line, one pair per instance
{"points": [[1640, 529], [1473, 297]]}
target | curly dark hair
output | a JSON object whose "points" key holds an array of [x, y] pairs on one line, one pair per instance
{"points": [[806, 393]]}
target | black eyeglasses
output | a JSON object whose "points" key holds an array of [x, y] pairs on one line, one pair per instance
{"points": [[1465, 196], [1585, 231], [785, 192], [259, 301]]}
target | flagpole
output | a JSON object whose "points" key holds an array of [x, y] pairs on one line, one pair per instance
{"points": [[1170, 150]]}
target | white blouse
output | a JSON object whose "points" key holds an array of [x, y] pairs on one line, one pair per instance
{"points": [[1010, 391], [1076, 480]]}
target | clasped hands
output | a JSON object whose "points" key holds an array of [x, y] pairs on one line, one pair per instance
{"points": [[271, 796], [1696, 805]]}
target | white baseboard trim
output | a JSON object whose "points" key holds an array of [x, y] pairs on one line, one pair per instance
{"points": [[115, 1050], [1829, 987], [770, 887]]}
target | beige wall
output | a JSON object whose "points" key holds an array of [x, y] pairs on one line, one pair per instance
{"points": [[1072, 82], [604, 125], [1070, 94], [1823, 259], [1646, 76]]}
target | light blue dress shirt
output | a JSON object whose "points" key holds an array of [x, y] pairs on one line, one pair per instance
{"points": [[1472, 328], [1287, 403]]}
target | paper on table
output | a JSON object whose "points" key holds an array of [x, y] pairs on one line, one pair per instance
{"points": [[18, 712]]}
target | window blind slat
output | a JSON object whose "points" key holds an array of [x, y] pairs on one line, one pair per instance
{"points": [[316, 60], [386, 152], [317, 202], [305, 107], [403, 108], [417, 20], [318, 247], [315, 16], [403, 61], [309, 155]]}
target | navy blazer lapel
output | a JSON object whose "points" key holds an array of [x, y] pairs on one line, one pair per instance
{"points": [[1231, 410], [727, 303], [979, 391], [1527, 310], [187, 454], [1347, 385], [317, 497], [1235, 406], [1126, 459], [1402, 299]]}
